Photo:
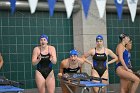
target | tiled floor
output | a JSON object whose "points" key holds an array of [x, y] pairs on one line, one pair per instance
{"points": [[58, 90], [111, 89]]}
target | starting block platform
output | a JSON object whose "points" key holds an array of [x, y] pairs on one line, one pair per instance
{"points": [[82, 81]]}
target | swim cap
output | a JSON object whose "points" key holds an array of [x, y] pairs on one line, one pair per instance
{"points": [[44, 36], [73, 52], [99, 37]]}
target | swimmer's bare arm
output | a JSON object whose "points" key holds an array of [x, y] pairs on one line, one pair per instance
{"points": [[35, 56], [89, 62], [61, 68], [89, 53], [80, 62], [86, 55], [113, 55], [1, 61], [53, 57]]}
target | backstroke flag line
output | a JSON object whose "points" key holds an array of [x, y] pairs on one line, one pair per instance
{"points": [[101, 5], [86, 5], [12, 5], [132, 4], [119, 6], [51, 6], [32, 5], [69, 4]]}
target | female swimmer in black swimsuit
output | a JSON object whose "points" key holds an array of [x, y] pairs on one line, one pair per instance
{"points": [[44, 56], [99, 65]]}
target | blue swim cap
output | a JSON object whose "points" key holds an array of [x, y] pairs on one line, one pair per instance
{"points": [[44, 36], [99, 37], [73, 52]]}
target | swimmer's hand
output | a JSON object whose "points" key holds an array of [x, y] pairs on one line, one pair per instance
{"points": [[60, 74], [66, 75], [39, 58], [51, 58]]}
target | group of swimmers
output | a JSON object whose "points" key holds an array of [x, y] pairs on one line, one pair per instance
{"points": [[44, 56]]}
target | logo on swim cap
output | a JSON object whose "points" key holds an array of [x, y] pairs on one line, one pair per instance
{"points": [[73, 52], [99, 37], [44, 36]]}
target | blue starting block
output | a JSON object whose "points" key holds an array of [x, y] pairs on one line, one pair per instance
{"points": [[9, 88]]}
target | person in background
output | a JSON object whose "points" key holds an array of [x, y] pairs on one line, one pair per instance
{"points": [[99, 56], [44, 56], [129, 47], [73, 64], [1, 61], [127, 83], [123, 66]]}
